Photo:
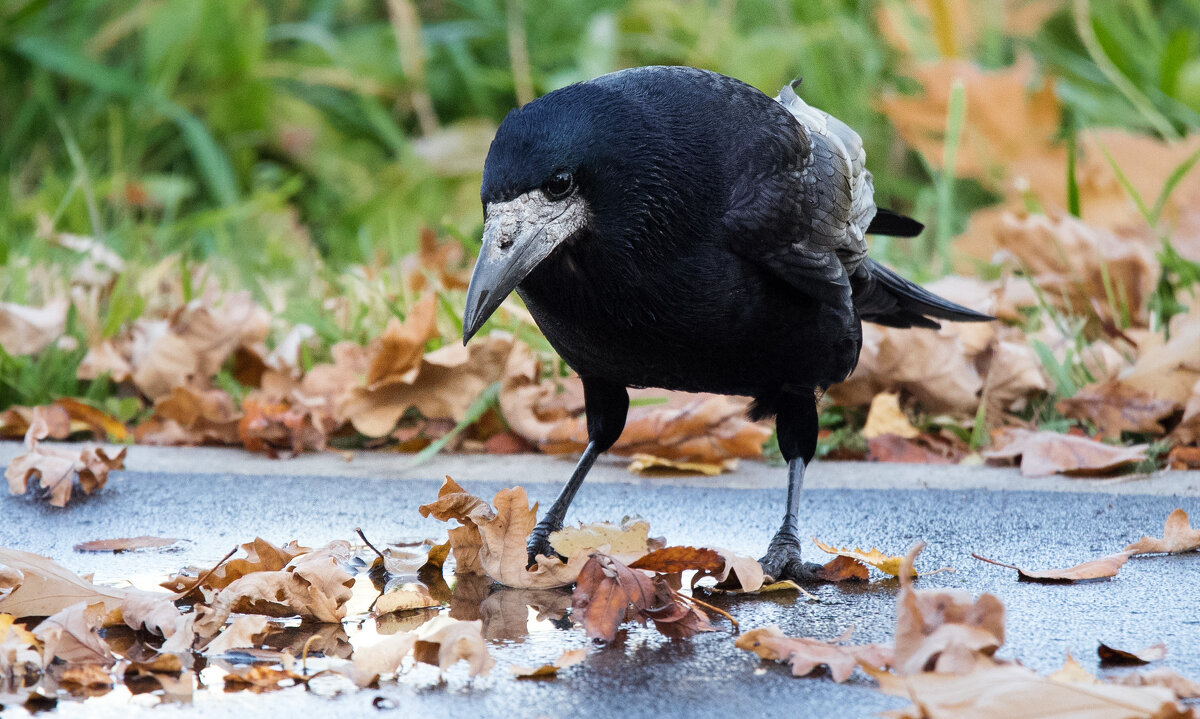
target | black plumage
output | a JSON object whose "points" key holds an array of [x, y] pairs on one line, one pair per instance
{"points": [[672, 227]]}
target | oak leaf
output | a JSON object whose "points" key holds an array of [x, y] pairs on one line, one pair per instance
{"points": [[629, 539], [56, 469], [1102, 568], [46, 587], [313, 585], [1045, 453], [261, 556], [188, 416], [1178, 536], [19, 652], [157, 614], [383, 657], [805, 654], [242, 633], [443, 641], [943, 630], [886, 563]]}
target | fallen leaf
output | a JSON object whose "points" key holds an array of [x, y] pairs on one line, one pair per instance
{"points": [[569, 658], [670, 560], [1183, 458], [382, 657], [674, 615], [805, 654], [267, 426], [125, 544], [1188, 430], [47, 587], [313, 585], [1045, 453], [27, 330], [242, 633], [187, 416], [1072, 672], [886, 418], [1183, 687], [88, 680], [642, 463], [843, 569], [259, 678], [943, 630], [628, 539], [19, 652], [261, 556], [71, 635], [56, 469], [894, 448], [1002, 691], [1113, 408], [885, 563], [157, 614], [746, 570], [1102, 568], [604, 590], [1112, 656], [1178, 536], [1170, 370], [443, 641]]}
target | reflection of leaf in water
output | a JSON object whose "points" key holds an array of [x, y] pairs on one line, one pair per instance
{"points": [[505, 612], [395, 622], [468, 594], [327, 639]]}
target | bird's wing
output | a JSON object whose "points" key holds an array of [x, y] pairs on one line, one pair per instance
{"points": [[805, 213]]}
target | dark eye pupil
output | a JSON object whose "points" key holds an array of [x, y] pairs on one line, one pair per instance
{"points": [[558, 185]]}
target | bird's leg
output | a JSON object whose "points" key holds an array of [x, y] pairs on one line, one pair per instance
{"points": [[606, 404], [796, 424], [539, 540], [782, 560]]}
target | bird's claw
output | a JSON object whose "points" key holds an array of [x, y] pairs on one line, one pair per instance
{"points": [[782, 561], [539, 543]]}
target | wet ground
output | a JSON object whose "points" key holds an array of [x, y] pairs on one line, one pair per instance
{"points": [[1153, 599]]}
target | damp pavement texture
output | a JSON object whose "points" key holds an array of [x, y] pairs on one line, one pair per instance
{"points": [[219, 503]]}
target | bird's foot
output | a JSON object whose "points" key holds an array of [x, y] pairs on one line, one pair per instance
{"points": [[539, 543], [782, 560]]}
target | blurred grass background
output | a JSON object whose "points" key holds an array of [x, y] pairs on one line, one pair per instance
{"points": [[288, 144]]}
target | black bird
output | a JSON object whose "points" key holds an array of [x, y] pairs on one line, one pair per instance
{"points": [[672, 227]]}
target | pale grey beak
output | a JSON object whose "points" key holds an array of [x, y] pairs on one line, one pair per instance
{"points": [[517, 236]]}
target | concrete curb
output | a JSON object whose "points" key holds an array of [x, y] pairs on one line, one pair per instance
{"points": [[528, 468]]}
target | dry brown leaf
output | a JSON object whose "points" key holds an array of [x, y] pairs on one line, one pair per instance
{"points": [[1188, 430], [648, 464], [894, 448], [443, 641], [991, 142], [87, 680], [47, 587], [569, 658], [19, 652], [444, 264], [670, 560], [1112, 656], [314, 585], [746, 570], [10, 579], [184, 415], [1045, 453], [1178, 536], [242, 633], [1102, 568], [125, 544], [912, 27], [943, 630], [267, 426], [26, 330], [844, 569], [100, 423], [1113, 408], [382, 657], [1002, 691], [260, 678], [629, 539], [886, 417], [157, 614], [56, 469], [604, 590], [261, 556], [805, 654], [70, 635], [1183, 687], [886, 563], [1071, 671]]}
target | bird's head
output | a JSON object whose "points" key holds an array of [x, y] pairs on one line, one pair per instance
{"points": [[578, 166]]}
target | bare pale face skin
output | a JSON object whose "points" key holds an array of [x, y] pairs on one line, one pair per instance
{"points": [[517, 235]]}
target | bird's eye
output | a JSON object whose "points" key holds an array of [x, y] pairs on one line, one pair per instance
{"points": [[559, 185]]}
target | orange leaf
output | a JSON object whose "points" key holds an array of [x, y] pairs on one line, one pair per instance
{"points": [[1102, 568]]}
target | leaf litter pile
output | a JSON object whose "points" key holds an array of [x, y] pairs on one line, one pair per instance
{"points": [[268, 617]]}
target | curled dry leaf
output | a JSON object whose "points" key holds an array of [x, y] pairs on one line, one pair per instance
{"points": [[261, 556], [19, 652], [157, 614], [267, 426], [604, 590], [1102, 568], [1071, 671], [1171, 370], [500, 535], [242, 633], [569, 658], [10, 579], [888, 564], [628, 539], [56, 469], [382, 657], [1178, 536], [805, 654], [1002, 691], [844, 569], [260, 678], [1112, 656], [1114, 408], [670, 560], [943, 630], [188, 416], [71, 635], [443, 641], [649, 464], [1045, 453], [314, 585], [46, 587]]}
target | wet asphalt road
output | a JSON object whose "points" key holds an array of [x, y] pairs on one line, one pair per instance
{"points": [[1153, 599]]}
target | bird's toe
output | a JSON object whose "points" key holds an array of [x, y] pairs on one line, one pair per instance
{"points": [[539, 543]]}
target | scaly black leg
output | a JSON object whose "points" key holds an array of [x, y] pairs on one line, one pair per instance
{"points": [[796, 424], [606, 405]]}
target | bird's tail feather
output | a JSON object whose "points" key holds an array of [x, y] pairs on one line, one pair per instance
{"points": [[885, 298]]}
